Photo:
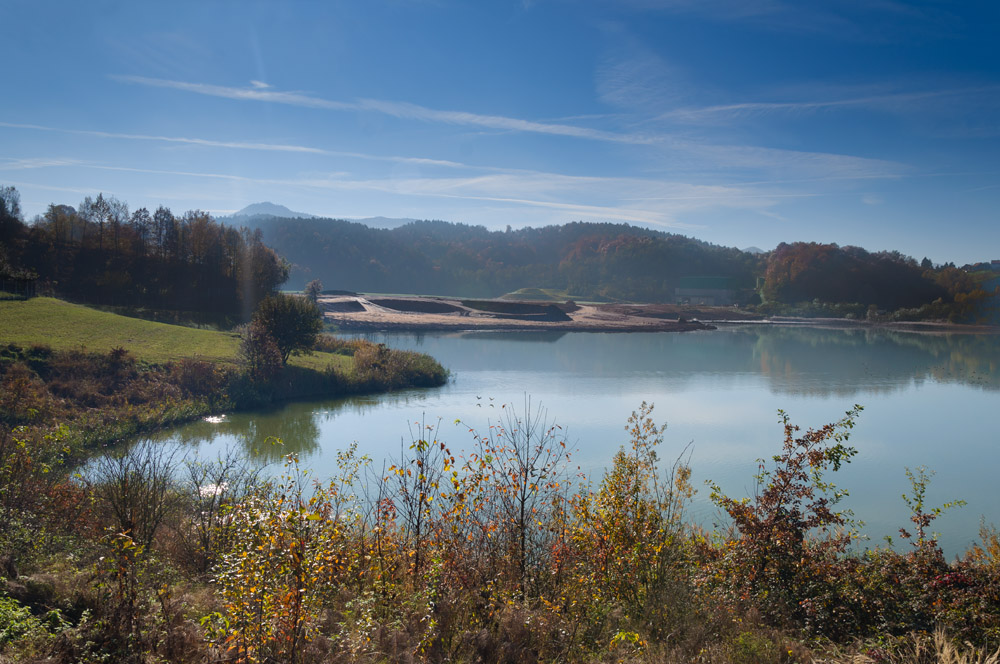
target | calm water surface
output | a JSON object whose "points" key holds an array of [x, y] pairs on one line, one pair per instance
{"points": [[931, 400]]}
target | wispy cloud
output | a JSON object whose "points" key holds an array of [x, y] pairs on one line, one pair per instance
{"points": [[615, 199], [403, 110], [244, 145], [45, 187], [38, 162], [695, 157], [898, 102], [796, 165], [634, 78], [260, 85], [714, 156]]}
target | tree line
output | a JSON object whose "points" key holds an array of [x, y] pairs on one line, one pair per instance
{"points": [[886, 281], [101, 253]]}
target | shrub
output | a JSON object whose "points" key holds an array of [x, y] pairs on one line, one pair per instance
{"points": [[17, 622], [136, 486], [258, 353], [629, 534], [293, 322], [790, 530], [376, 366], [197, 377], [288, 548], [213, 489]]}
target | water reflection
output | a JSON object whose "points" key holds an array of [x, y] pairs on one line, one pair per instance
{"points": [[270, 435], [929, 399], [792, 359], [846, 362], [265, 435], [800, 361]]}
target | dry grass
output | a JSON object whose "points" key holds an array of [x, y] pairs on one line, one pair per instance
{"points": [[922, 649]]}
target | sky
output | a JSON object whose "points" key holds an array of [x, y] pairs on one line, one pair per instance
{"points": [[873, 123]]}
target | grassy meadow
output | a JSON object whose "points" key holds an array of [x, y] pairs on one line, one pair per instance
{"points": [[108, 377], [64, 326]]}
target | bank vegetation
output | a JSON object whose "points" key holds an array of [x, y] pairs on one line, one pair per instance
{"points": [[494, 549]]}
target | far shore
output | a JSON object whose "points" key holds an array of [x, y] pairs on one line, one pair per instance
{"points": [[378, 313]]}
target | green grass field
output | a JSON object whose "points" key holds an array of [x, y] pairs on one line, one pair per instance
{"points": [[65, 326]]}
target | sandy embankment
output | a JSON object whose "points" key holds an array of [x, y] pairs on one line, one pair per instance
{"points": [[397, 313], [359, 312]]}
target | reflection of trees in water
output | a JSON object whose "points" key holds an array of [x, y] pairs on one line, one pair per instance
{"points": [[794, 360], [296, 425], [192, 434], [844, 362], [416, 337], [296, 428], [797, 360]]}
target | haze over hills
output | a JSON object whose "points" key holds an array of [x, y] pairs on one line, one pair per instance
{"points": [[609, 260], [268, 209], [271, 210]]}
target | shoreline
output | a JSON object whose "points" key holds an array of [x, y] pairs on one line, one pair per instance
{"points": [[375, 313]]}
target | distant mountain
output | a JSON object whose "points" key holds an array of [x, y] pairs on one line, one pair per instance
{"points": [[272, 210], [754, 250], [268, 209]]}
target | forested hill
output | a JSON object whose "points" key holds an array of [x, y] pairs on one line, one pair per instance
{"points": [[585, 259], [101, 253]]}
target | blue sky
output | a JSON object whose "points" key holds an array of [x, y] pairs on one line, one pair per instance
{"points": [[740, 122]]}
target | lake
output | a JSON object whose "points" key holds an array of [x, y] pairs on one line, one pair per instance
{"points": [[930, 400]]}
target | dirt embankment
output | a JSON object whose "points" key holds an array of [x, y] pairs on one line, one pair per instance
{"points": [[426, 314], [357, 312]]}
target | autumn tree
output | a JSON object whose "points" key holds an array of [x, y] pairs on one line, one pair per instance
{"points": [[515, 481], [293, 322]]}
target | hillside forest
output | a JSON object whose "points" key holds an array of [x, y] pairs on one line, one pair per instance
{"points": [[99, 252], [619, 262]]}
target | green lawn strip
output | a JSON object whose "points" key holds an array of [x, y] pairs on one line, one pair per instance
{"points": [[65, 326]]}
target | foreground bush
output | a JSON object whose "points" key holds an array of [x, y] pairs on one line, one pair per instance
{"points": [[503, 553]]}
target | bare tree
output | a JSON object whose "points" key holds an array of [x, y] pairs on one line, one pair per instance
{"points": [[417, 479], [214, 487], [519, 475], [137, 488]]}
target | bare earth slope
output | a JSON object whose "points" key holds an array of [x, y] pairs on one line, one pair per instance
{"points": [[425, 313], [403, 313]]}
